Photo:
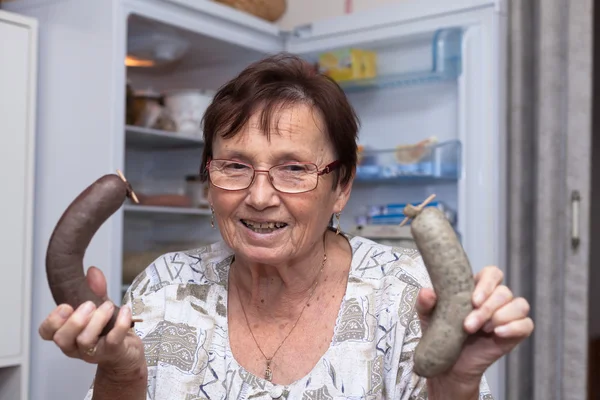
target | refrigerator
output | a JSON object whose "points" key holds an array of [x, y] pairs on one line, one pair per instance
{"points": [[439, 80]]}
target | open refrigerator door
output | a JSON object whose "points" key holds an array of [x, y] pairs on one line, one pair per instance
{"points": [[426, 80]]}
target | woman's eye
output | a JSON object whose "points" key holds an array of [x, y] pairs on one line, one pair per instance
{"points": [[236, 166], [295, 168]]}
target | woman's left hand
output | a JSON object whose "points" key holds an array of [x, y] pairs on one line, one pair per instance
{"points": [[497, 324]]}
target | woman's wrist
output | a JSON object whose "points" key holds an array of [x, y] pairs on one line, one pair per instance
{"points": [[122, 375], [114, 386], [448, 388]]}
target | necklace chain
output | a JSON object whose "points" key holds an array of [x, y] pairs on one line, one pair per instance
{"points": [[268, 370]]}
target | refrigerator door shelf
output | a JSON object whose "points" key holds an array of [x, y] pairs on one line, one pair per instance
{"points": [[445, 65], [418, 164]]}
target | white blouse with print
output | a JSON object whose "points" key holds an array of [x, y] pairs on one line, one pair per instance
{"points": [[182, 299]]}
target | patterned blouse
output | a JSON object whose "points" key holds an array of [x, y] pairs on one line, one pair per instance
{"points": [[182, 298]]}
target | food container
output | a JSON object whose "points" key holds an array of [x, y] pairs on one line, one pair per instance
{"points": [[186, 108], [423, 160], [348, 64], [147, 108], [162, 192], [197, 191]]}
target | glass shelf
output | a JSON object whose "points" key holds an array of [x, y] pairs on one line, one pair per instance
{"points": [[146, 138], [445, 65], [416, 164]]}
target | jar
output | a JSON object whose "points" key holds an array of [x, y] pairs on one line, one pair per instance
{"points": [[147, 108], [197, 191]]}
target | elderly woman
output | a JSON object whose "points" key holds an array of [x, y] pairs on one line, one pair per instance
{"points": [[286, 305]]}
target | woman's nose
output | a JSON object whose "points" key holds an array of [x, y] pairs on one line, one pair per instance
{"points": [[261, 193]]}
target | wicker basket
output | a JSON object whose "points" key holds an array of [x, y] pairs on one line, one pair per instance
{"points": [[270, 10]]}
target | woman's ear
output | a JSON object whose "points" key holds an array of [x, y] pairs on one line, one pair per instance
{"points": [[343, 195]]}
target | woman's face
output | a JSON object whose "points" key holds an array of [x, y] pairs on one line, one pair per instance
{"points": [[300, 218]]}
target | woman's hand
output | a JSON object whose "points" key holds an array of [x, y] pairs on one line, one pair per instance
{"points": [[119, 354], [498, 322]]}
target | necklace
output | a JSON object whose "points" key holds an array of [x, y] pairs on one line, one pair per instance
{"points": [[268, 370]]}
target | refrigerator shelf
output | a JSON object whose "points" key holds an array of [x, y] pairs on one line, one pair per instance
{"points": [[445, 65], [146, 138], [420, 163]]}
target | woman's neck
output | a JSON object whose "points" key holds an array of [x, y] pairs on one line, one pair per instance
{"points": [[279, 292]]}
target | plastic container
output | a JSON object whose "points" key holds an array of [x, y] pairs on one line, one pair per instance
{"points": [[437, 161]]}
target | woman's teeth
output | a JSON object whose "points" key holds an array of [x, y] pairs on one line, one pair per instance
{"points": [[263, 227]]}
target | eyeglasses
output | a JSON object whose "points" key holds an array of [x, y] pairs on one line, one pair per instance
{"points": [[294, 177]]}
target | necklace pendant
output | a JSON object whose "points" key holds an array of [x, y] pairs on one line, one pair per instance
{"points": [[268, 372]]}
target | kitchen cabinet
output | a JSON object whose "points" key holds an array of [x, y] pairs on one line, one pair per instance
{"points": [[18, 58]]}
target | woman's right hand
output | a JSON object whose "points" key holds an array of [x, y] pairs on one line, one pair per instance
{"points": [[119, 354]]}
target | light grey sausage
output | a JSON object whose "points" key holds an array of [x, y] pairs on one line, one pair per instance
{"points": [[453, 283]]}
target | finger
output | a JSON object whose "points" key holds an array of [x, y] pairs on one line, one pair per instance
{"points": [[88, 338], [54, 321], [486, 281], [116, 336], [521, 328], [97, 282], [66, 334], [425, 302], [514, 310], [478, 317]]}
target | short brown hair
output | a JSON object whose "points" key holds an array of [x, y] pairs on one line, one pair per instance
{"points": [[278, 81]]}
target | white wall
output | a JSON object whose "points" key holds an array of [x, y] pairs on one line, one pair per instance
{"points": [[300, 12]]}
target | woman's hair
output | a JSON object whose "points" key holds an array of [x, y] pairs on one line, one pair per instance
{"points": [[276, 82]]}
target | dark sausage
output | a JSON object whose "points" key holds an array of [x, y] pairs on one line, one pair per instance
{"points": [[72, 235], [453, 283]]}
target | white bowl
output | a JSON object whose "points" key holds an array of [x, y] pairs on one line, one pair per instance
{"points": [[186, 108]]}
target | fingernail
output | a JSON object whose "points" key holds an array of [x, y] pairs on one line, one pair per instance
{"points": [[125, 311], [87, 307], [471, 323], [107, 305], [501, 330], [63, 312], [478, 298]]}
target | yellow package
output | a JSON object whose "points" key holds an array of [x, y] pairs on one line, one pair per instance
{"points": [[348, 64], [369, 64]]}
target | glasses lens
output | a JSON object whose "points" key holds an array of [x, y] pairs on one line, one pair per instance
{"points": [[294, 177], [230, 175]]}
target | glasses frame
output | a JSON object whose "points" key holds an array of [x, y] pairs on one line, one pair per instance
{"points": [[325, 170]]}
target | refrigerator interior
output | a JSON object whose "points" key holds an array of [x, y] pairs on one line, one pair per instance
{"points": [[157, 161], [413, 98]]}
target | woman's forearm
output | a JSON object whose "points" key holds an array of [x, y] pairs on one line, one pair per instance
{"points": [[131, 388]]}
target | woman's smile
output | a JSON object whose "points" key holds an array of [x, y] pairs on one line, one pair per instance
{"points": [[263, 227]]}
